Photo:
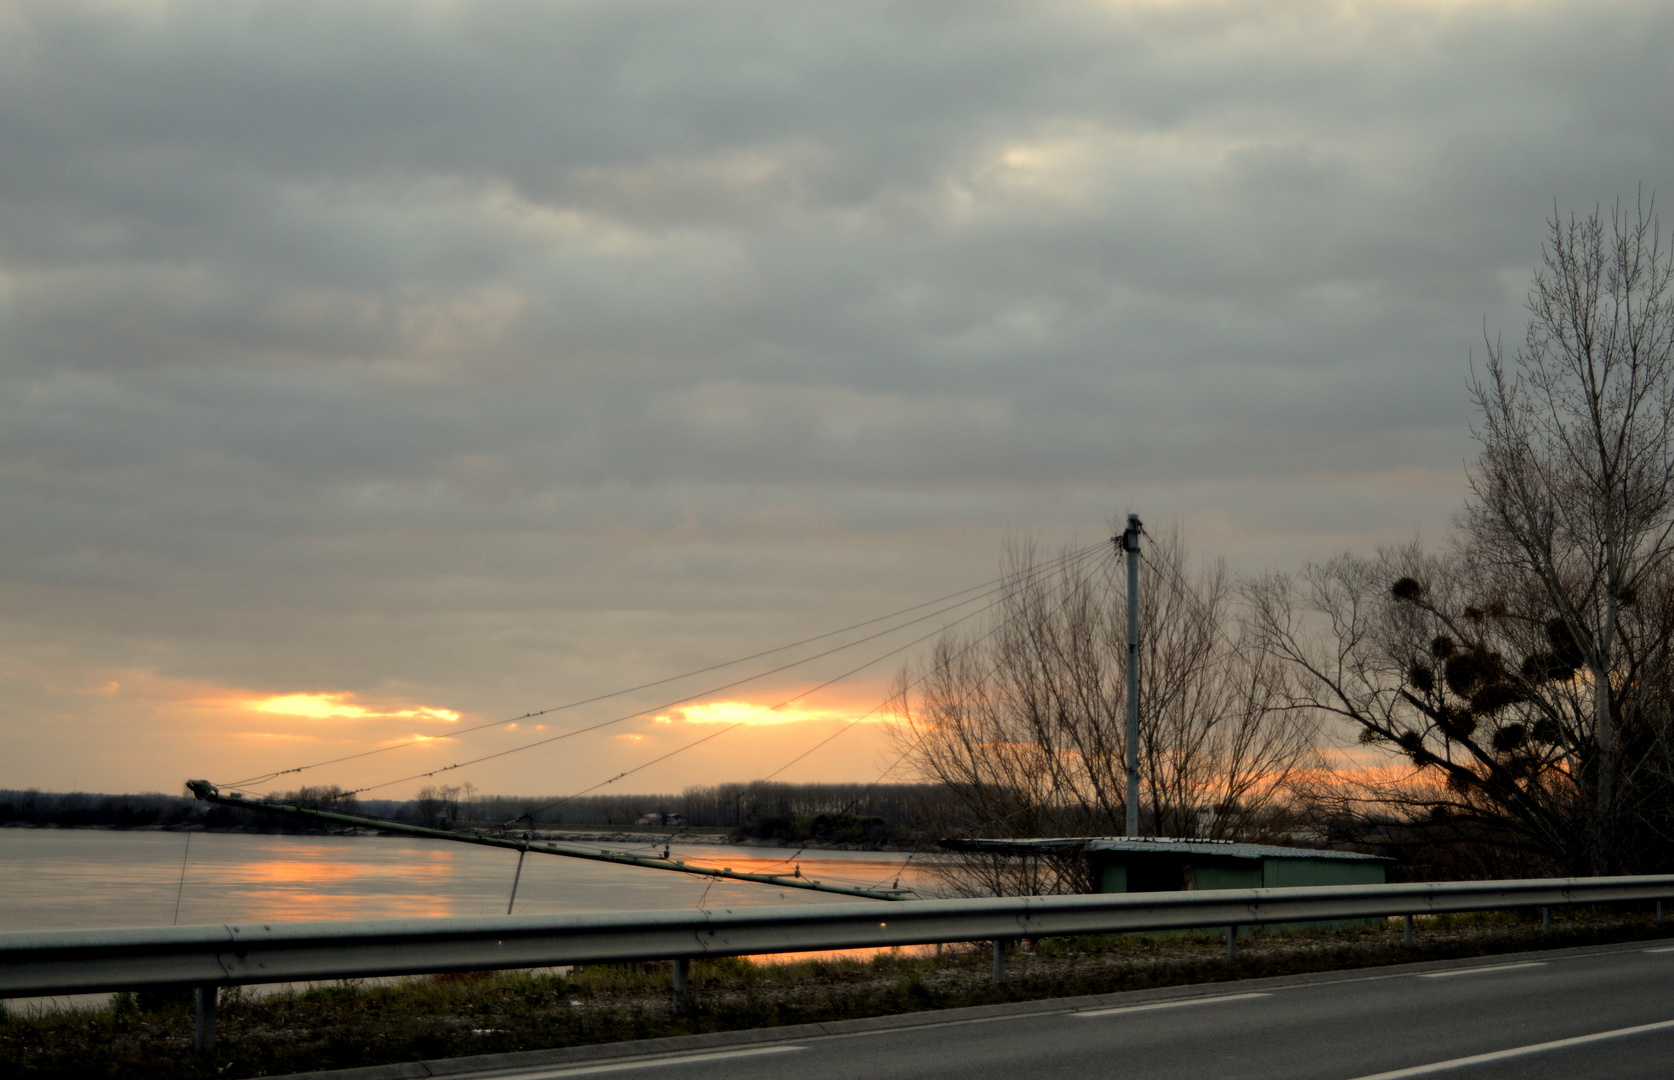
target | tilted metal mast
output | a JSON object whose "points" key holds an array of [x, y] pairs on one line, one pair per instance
{"points": [[208, 792], [1129, 541]]}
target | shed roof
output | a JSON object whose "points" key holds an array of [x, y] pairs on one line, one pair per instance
{"points": [[1222, 849], [1225, 849]]}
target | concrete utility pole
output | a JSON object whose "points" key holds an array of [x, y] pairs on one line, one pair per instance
{"points": [[1130, 544]]}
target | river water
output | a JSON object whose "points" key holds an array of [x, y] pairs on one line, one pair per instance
{"points": [[83, 879], [72, 879]]}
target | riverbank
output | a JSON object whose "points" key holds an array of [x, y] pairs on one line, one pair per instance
{"points": [[139, 1037]]}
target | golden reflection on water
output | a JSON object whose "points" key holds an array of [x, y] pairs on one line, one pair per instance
{"points": [[303, 872], [299, 872], [83, 879], [317, 881], [862, 955], [853, 873], [285, 905]]}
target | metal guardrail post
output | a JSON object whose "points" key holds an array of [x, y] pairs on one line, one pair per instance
{"points": [[1659, 912], [1545, 921], [999, 961], [203, 1034], [1232, 944], [682, 984], [1406, 931]]}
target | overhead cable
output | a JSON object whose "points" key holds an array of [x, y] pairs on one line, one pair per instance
{"points": [[1063, 561], [1006, 582], [981, 591]]}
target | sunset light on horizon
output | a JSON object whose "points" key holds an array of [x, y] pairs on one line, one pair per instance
{"points": [[340, 707]]}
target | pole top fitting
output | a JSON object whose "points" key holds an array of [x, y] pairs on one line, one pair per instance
{"points": [[1129, 540], [203, 789]]}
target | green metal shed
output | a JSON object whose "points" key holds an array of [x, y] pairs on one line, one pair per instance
{"points": [[1164, 864], [1167, 864]]}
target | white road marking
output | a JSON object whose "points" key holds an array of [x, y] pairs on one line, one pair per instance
{"points": [[642, 1063], [1667, 948], [1169, 1004], [1519, 1051], [1480, 970]]}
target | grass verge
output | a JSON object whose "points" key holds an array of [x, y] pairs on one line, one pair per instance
{"points": [[351, 1024]]}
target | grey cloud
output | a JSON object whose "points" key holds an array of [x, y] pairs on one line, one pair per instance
{"points": [[354, 343]]}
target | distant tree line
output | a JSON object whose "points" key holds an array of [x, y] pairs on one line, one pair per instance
{"points": [[754, 809], [33, 807], [738, 805], [441, 806], [153, 810]]}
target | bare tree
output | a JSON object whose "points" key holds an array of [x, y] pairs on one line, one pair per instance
{"points": [[1396, 646], [1481, 696], [1575, 484], [1526, 677], [1025, 721]]}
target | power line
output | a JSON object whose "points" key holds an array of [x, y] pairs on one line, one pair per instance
{"points": [[1169, 578], [850, 724], [764, 712], [678, 701], [180, 893], [1061, 563], [987, 589], [855, 802]]}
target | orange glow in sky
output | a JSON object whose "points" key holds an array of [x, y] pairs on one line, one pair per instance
{"points": [[225, 731], [416, 737], [340, 707], [734, 712]]}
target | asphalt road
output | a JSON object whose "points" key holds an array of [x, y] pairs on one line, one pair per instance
{"points": [[1581, 1013]]}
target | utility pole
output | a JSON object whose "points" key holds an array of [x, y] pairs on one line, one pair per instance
{"points": [[1129, 541]]}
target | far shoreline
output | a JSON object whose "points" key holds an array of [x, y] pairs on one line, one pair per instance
{"points": [[599, 835]]}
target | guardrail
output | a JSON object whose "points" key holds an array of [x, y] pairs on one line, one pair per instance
{"points": [[86, 961]]}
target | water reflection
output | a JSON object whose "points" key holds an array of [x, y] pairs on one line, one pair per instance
{"points": [[861, 955], [78, 878], [281, 905]]}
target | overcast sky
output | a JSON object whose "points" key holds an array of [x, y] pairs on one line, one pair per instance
{"points": [[464, 358]]}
